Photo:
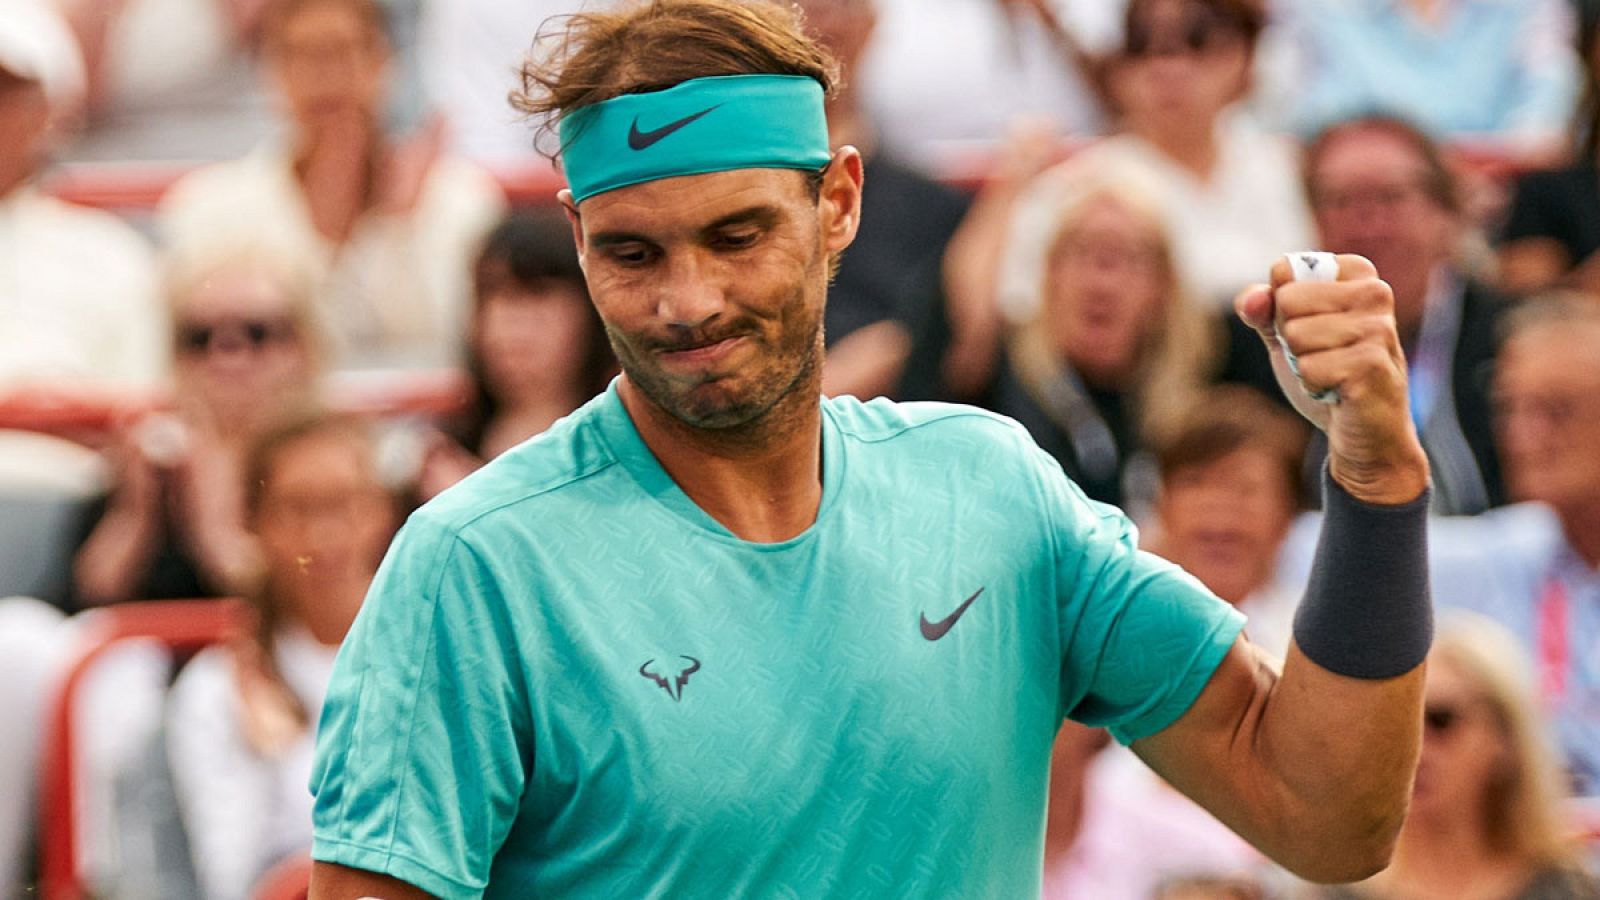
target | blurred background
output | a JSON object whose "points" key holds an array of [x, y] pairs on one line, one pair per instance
{"points": [[275, 272]]}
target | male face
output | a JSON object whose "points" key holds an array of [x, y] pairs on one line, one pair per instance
{"points": [[1368, 195], [330, 65], [712, 287], [1547, 404], [24, 123]]}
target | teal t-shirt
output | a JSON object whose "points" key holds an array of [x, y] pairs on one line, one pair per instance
{"points": [[570, 681]]}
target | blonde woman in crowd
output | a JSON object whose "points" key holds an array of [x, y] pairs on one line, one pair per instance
{"points": [[241, 717], [245, 350], [1109, 348], [1486, 819]]}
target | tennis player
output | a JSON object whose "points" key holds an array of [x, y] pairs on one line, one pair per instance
{"points": [[714, 635]]}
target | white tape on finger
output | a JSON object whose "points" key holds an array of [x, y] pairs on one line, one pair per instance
{"points": [[1309, 265]]}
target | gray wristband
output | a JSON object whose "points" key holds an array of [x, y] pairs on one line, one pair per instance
{"points": [[1367, 611]]}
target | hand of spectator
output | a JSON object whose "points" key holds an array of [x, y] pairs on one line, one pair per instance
{"points": [[405, 170], [209, 500], [113, 559], [444, 462], [1344, 336], [972, 259]]}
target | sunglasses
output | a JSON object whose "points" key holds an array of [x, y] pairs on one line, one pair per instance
{"points": [[1199, 33], [200, 338]]}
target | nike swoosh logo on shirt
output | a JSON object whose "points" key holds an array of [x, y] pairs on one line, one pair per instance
{"points": [[644, 140], [936, 630]]}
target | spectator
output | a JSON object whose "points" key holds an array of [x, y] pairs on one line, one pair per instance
{"points": [[1535, 567], [1230, 192], [1486, 818], [1109, 347], [1498, 73], [392, 225], [1230, 489], [1381, 188], [887, 290], [169, 80], [538, 350], [1553, 229], [240, 719], [77, 286], [35, 643], [245, 352]]}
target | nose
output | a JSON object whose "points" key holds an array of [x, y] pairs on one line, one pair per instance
{"points": [[692, 291]]}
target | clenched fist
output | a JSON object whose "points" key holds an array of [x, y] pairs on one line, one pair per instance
{"points": [[1344, 336]]}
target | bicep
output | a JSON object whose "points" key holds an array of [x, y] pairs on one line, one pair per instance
{"points": [[335, 882], [1210, 753]]}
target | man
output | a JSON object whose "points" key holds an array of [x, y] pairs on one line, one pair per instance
{"points": [[715, 636], [77, 286], [1535, 567], [1380, 188]]}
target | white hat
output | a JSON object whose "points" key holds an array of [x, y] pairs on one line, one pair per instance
{"points": [[35, 44]]}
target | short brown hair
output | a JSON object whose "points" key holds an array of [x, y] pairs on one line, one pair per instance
{"points": [[1234, 417], [1438, 181], [582, 59]]}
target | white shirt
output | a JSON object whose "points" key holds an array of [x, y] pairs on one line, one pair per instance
{"points": [[77, 296], [1229, 228], [396, 293], [243, 812]]}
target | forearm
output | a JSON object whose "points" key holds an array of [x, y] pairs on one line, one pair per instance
{"points": [[114, 557], [1342, 753], [1341, 728]]}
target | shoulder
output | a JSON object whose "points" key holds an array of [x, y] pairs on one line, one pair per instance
{"points": [[544, 472], [953, 425], [1520, 532], [224, 184], [92, 231], [203, 693]]}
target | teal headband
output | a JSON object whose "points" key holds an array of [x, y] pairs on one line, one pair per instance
{"points": [[704, 125]]}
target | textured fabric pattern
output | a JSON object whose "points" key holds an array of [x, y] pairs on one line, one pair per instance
{"points": [[570, 681]]}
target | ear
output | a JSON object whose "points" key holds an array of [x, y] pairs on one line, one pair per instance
{"points": [[840, 199], [574, 218]]}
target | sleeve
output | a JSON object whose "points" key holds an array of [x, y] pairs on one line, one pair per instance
{"points": [[425, 741], [1140, 638]]}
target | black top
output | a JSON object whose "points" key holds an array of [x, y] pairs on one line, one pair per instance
{"points": [[1560, 204], [892, 271], [1471, 376], [1009, 398]]}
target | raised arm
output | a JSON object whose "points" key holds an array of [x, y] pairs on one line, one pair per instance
{"points": [[1314, 765]]}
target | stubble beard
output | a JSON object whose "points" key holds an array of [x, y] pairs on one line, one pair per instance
{"points": [[782, 375]]}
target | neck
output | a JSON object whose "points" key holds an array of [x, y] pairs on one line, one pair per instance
{"points": [[761, 481], [1582, 528], [1192, 144], [324, 615]]}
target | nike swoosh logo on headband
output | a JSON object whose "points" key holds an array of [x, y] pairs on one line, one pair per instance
{"points": [[644, 140]]}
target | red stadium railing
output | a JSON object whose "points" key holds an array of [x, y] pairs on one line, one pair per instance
{"points": [[184, 625], [88, 413]]}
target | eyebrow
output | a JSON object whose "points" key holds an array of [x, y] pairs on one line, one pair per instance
{"points": [[764, 215]]}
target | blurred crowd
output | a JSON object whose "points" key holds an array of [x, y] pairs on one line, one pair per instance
{"points": [[1062, 198]]}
